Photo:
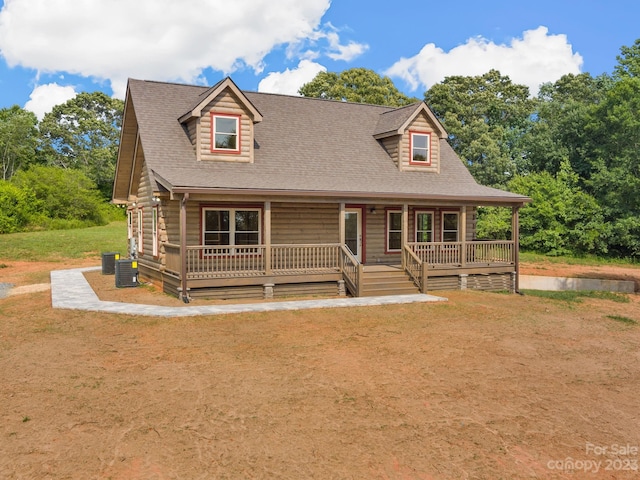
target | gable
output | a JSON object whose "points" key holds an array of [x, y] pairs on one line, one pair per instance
{"points": [[129, 153], [421, 128], [411, 136], [226, 108]]}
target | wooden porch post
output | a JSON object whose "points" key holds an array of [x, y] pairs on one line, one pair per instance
{"points": [[341, 226], [405, 230], [184, 293], [463, 235], [515, 237], [267, 237]]}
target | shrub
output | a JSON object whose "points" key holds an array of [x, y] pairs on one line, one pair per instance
{"points": [[63, 198], [16, 207]]}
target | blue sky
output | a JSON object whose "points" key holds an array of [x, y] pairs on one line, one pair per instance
{"points": [[52, 49]]}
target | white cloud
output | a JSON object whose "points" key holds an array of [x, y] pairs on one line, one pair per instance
{"points": [[535, 58], [343, 52], [173, 40], [45, 97], [290, 81], [334, 50]]}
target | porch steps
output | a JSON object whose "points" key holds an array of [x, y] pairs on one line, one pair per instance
{"points": [[386, 280]]}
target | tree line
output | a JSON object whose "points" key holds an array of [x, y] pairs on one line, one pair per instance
{"points": [[574, 149], [58, 173]]}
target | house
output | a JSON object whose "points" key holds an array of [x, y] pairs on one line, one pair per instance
{"points": [[242, 194]]}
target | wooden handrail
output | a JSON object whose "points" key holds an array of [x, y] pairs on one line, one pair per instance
{"points": [[413, 266], [351, 270]]}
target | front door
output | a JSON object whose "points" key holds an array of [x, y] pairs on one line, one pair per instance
{"points": [[353, 231]]}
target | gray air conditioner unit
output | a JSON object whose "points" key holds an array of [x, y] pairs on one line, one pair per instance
{"points": [[126, 273], [109, 262]]}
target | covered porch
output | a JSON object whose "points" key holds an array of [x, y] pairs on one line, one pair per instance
{"points": [[266, 269]]}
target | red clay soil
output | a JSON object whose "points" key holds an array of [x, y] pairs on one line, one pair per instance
{"points": [[483, 386]]}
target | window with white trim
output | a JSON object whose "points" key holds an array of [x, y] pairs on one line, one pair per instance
{"points": [[140, 231], [229, 227], [129, 224], [424, 227], [225, 133], [394, 231], [450, 226], [420, 148], [154, 231]]}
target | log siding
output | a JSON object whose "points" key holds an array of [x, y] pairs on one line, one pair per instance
{"points": [[225, 104], [421, 124]]}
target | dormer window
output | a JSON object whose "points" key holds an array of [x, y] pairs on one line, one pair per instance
{"points": [[225, 133], [420, 148]]}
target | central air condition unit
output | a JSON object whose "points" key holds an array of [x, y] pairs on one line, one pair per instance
{"points": [[126, 273], [109, 262]]}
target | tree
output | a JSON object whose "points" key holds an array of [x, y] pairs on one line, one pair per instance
{"points": [[562, 219], [628, 61], [83, 134], [614, 159], [358, 85], [557, 131], [18, 139], [485, 117]]}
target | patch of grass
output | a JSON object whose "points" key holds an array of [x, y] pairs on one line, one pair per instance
{"points": [[625, 320], [57, 245], [578, 295], [25, 419], [531, 257]]}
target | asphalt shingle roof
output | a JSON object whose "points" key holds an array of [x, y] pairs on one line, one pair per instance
{"points": [[301, 145]]}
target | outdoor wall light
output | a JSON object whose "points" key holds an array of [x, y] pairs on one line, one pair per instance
{"points": [[372, 210]]}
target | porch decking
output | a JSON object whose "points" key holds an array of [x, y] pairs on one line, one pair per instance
{"points": [[209, 267]]}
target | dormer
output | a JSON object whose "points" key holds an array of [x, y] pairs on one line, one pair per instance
{"points": [[411, 136], [220, 124]]}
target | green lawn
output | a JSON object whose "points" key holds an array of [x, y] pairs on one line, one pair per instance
{"points": [[57, 245], [586, 260]]}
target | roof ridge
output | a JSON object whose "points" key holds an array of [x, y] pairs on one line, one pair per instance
{"points": [[329, 100]]}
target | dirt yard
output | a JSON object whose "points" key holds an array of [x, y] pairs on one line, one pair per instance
{"points": [[484, 386]]}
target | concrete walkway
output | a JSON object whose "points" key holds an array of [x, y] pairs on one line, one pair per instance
{"points": [[70, 289]]}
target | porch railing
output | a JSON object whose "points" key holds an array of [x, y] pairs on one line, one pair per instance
{"points": [[464, 253], [204, 261], [305, 258], [207, 262], [224, 262]]}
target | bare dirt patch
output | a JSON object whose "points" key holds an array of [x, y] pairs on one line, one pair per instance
{"points": [[484, 386]]}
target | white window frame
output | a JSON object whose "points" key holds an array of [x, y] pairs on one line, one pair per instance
{"points": [[427, 149], [140, 218], [215, 131], [129, 224], [416, 230], [389, 231], [154, 231], [442, 227], [232, 229]]}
